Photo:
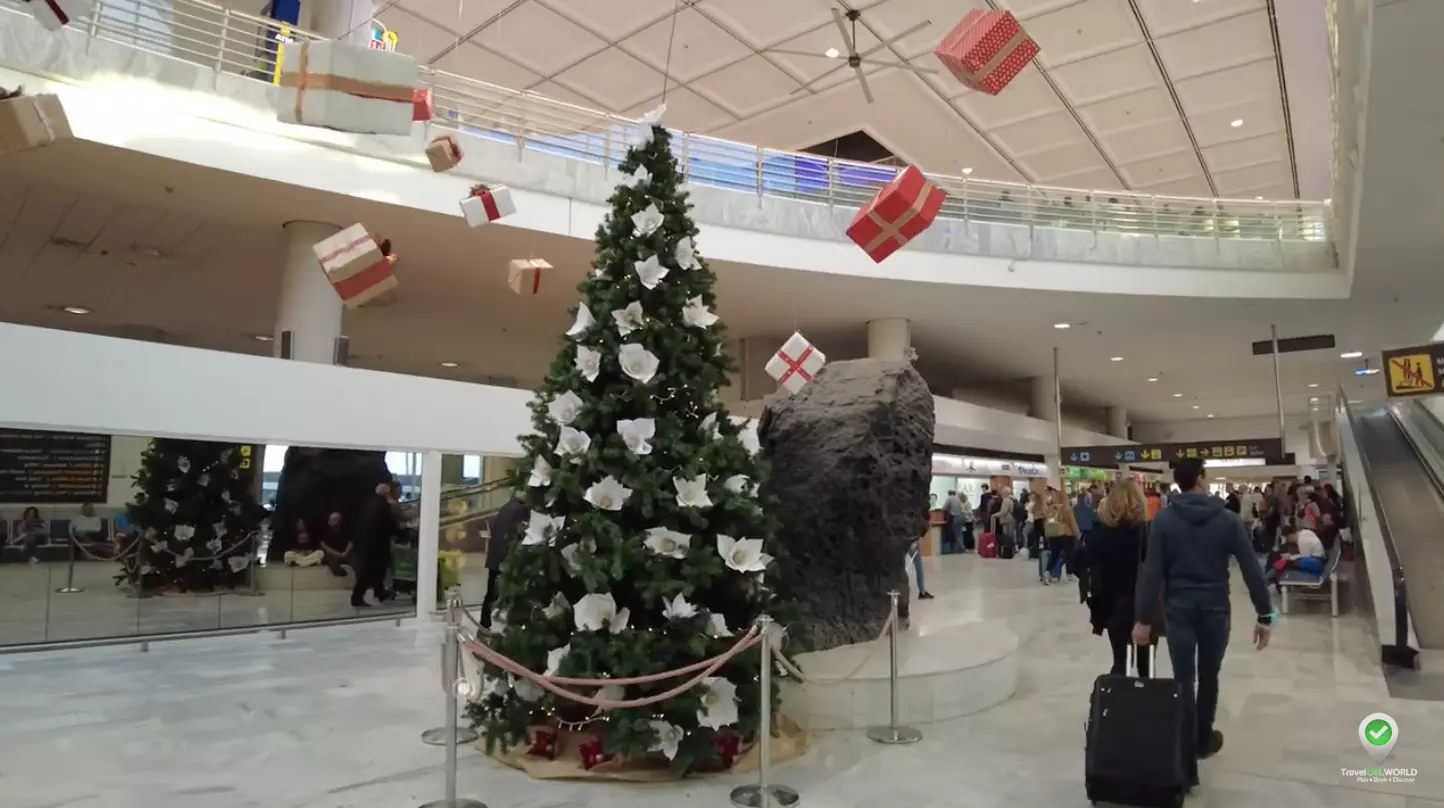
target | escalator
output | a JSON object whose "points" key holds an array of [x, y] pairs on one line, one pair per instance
{"points": [[466, 511], [1396, 444]]}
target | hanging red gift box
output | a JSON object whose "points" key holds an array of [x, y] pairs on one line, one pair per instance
{"points": [[486, 205], [987, 50], [904, 208], [443, 153], [359, 269], [795, 363], [421, 104]]}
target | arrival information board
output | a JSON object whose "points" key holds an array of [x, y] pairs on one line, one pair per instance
{"points": [[1251, 449], [44, 468], [1415, 371]]}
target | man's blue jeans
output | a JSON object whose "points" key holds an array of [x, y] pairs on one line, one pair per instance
{"points": [[918, 568], [1197, 637]]}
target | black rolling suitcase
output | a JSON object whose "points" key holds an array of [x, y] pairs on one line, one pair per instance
{"points": [[1138, 750]]}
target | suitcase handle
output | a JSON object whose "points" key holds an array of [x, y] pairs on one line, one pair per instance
{"points": [[1133, 659]]}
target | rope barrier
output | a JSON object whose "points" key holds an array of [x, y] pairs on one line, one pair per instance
{"points": [[796, 672], [118, 556]]}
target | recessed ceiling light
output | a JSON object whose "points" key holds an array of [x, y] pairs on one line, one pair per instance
{"points": [[1236, 123], [1315, 384], [967, 171], [1153, 378], [830, 53], [1195, 406], [1210, 415], [1351, 355], [1062, 325], [76, 310], [1356, 401], [450, 364], [1366, 372], [263, 338], [1258, 197], [1116, 359], [1178, 395], [1329, 201]]}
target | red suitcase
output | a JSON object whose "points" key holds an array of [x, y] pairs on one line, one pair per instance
{"points": [[988, 545]]}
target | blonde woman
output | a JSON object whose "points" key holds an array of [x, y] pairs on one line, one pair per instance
{"points": [[1062, 529], [1115, 551]]}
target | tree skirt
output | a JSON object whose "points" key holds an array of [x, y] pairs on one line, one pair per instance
{"points": [[789, 743]]}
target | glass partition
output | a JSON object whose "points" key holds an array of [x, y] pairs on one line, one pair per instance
{"points": [[112, 537]]}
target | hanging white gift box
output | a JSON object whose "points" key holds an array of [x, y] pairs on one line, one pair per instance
{"points": [[795, 363], [56, 14], [356, 266], [347, 87]]}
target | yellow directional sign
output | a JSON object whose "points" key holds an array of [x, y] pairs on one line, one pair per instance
{"points": [[1415, 371]]}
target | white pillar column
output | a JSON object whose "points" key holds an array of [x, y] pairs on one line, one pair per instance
{"points": [[750, 382], [1118, 422], [889, 338], [337, 19], [428, 532], [309, 307]]}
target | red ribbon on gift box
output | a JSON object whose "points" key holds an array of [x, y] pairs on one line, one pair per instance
{"points": [[365, 279], [794, 366], [488, 203], [55, 9]]}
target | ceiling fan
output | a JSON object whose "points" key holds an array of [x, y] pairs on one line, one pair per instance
{"points": [[855, 60]]}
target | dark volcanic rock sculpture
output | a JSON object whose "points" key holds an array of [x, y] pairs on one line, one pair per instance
{"points": [[851, 457], [317, 482]]}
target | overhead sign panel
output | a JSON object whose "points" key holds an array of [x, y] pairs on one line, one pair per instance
{"points": [[1415, 371], [1247, 449]]}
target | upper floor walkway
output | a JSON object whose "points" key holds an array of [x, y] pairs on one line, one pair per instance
{"points": [[183, 48]]}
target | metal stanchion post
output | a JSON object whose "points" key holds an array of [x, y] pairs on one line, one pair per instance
{"points": [[70, 588], [763, 794], [452, 732], [449, 730], [254, 570], [893, 733]]}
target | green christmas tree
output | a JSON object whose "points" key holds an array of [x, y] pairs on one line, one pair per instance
{"points": [[645, 548], [194, 514]]}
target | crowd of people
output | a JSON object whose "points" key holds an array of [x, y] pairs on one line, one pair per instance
{"points": [[379, 549]]}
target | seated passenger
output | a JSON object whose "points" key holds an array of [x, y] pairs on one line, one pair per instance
{"points": [[31, 532], [336, 546], [87, 527], [1308, 556], [306, 554]]}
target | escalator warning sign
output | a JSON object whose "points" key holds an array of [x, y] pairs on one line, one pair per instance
{"points": [[1414, 371]]}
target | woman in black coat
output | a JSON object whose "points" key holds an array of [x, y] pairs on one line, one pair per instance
{"points": [[1115, 551]]}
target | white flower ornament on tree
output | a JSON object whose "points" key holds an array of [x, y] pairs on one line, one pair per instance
{"points": [[542, 528], [645, 123], [583, 322], [589, 362], [565, 408], [599, 611], [717, 626], [171, 505], [640, 176], [678, 608], [719, 703], [570, 553], [740, 484], [743, 555], [637, 434], [747, 434], [650, 271], [214, 545], [669, 738], [184, 464], [648, 220], [697, 315], [184, 532], [638, 362], [573, 442], [555, 657], [709, 426], [686, 254], [608, 494], [541, 473], [238, 563], [559, 605], [667, 542], [527, 690], [692, 493], [629, 319]]}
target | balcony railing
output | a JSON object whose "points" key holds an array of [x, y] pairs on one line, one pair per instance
{"points": [[234, 42]]}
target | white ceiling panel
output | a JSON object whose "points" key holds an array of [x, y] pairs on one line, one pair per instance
{"points": [[1253, 151], [1246, 181], [460, 19], [616, 79], [1232, 42], [1054, 165], [1088, 180], [1028, 97], [1131, 145], [612, 21], [1194, 186], [1121, 72], [686, 111], [896, 16], [1083, 30], [699, 46], [819, 40], [765, 22], [1051, 132], [1253, 81], [551, 89], [1130, 111], [1167, 168], [517, 36], [470, 60], [746, 87], [1256, 117], [1165, 17]]}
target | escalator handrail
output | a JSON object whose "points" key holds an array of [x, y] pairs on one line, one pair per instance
{"points": [[455, 493], [1396, 569]]}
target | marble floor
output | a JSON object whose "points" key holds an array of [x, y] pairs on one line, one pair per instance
{"points": [[329, 718]]}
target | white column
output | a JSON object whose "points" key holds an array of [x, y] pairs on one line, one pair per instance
{"points": [[750, 381], [1118, 422], [428, 533], [309, 307], [335, 19], [889, 338]]}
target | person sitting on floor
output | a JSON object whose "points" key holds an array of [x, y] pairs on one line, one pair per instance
{"points": [[336, 546], [306, 554]]}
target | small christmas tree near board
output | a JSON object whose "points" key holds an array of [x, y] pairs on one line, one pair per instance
{"points": [[645, 547], [194, 516]]}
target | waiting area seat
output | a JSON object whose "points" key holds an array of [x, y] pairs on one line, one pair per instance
{"points": [[1303, 584]]}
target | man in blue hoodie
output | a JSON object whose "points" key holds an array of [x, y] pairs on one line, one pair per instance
{"points": [[1189, 545]]}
